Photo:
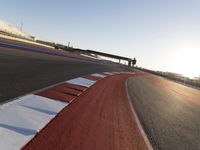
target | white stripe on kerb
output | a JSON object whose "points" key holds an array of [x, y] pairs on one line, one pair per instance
{"points": [[108, 73], [98, 75], [21, 119], [81, 81], [116, 72]]}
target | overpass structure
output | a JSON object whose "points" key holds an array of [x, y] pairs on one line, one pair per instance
{"points": [[129, 60], [11, 30]]}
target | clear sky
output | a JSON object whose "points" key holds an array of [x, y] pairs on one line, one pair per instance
{"points": [[162, 34]]}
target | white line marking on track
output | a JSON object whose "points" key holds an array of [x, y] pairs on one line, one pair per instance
{"points": [[149, 146]]}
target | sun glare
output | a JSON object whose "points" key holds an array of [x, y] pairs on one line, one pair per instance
{"points": [[186, 60]]}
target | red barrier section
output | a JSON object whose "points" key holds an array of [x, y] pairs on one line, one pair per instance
{"points": [[99, 119]]}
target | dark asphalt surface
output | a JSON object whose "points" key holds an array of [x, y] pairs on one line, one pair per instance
{"points": [[168, 112], [22, 72]]}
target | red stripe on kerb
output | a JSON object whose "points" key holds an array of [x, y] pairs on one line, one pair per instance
{"points": [[67, 90], [73, 86], [53, 94], [92, 77]]}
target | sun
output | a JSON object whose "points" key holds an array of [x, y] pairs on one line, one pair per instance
{"points": [[186, 60]]}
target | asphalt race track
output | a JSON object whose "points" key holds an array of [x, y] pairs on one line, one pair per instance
{"points": [[168, 111], [24, 71]]}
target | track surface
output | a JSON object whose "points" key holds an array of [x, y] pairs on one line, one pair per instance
{"points": [[24, 71], [99, 119], [169, 112]]}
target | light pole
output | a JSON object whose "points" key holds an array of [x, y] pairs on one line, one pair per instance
{"points": [[21, 26]]}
